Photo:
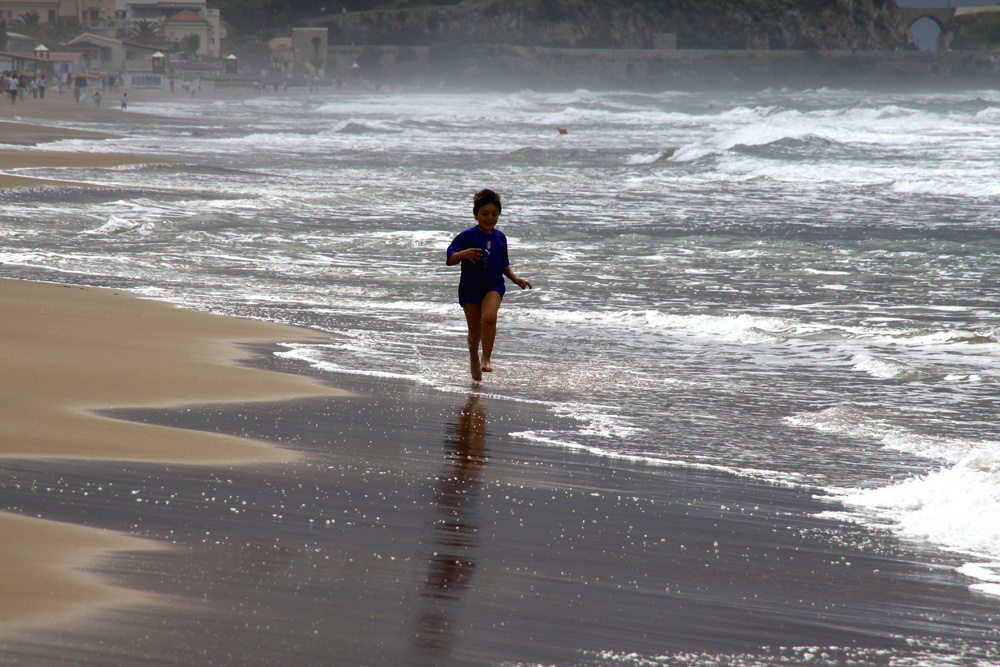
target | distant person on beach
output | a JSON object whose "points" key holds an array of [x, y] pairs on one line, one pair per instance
{"points": [[482, 250], [41, 87], [97, 98], [124, 101], [12, 86]]}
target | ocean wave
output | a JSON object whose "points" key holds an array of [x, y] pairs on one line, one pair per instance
{"points": [[743, 328], [883, 368], [752, 139], [959, 336], [651, 158], [957, 507], [358, 127], [868, 422], [565, 440], [949, 185], [418, 238], [116, 225]]}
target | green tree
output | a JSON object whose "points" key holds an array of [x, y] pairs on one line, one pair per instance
{"points": [[191, 43], [49, 34], [27, 22], [145, 32], [977, 32], [57, 32]]}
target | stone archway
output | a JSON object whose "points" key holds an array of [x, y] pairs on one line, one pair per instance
{"points": [[944, 17]]}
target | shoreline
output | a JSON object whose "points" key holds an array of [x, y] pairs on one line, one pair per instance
{"points": [[31, 122], [397, 524], [416, 528], [70, 351]]}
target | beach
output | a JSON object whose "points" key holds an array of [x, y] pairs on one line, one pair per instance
{"points": [[31, 122], [70, 351], [183, 487], [395, 526]]}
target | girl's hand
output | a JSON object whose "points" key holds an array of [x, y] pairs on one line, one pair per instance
{"points": [[522, 283]]}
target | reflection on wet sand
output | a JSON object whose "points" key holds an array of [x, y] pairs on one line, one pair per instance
{"points": [[455, 532]]}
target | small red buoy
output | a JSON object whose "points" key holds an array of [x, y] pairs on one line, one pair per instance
{"points": [[562, 130]]}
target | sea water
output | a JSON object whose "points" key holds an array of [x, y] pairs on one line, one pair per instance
{"points": [[801, 287]]}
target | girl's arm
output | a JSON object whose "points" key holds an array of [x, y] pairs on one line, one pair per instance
{"points": [[471, 254], [520, 282]]}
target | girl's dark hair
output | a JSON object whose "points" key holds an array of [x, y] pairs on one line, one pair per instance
{"points": [[484, 197]]}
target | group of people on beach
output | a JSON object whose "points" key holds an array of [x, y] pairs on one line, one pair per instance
{"points": [[15, 86], [482, 252]]}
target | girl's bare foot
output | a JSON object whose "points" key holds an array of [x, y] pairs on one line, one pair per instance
{"points": [[487, 366]]}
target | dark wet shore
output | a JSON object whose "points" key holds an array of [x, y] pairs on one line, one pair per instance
{"points": [[416, 530]]}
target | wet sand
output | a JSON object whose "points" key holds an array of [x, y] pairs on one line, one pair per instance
{"points": [[415, 528], [68, 351]]}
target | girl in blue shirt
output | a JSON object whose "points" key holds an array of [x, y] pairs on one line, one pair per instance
{"points": [[482, 250]]}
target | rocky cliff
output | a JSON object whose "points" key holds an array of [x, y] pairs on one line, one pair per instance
{"points": [[690, 24]]}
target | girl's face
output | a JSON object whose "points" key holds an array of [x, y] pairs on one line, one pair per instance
{"points": [[487, 217]]}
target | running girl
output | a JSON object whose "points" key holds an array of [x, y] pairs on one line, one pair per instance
{"points": [[482, 250]]}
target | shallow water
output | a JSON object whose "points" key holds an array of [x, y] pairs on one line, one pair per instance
{"points": [[803, 284]]}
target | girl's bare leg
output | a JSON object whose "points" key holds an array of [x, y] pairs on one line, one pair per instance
{"points": [[474, 318], [488, 327]]}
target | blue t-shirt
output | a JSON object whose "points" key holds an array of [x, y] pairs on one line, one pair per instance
{"points": [[486, 275]]}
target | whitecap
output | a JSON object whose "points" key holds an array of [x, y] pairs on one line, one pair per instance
{"points": [[881, 368], [956, 507], [116, 225]]}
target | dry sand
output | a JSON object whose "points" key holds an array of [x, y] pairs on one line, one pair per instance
{"points": [[67, 350]]}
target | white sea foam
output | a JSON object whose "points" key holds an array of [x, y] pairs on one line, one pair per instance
{"points": [[867, 422], [882, 368], [116, 225], [948, 185], [987, 572], [743, 328], [562, 440], [650, 158], [957, 505], [417, 238]]}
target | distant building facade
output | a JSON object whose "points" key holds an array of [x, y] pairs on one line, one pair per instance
{"points": [[187, 24], [116, 19], [107, 54], [304, 52], [22, 54], [48, 11]]}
